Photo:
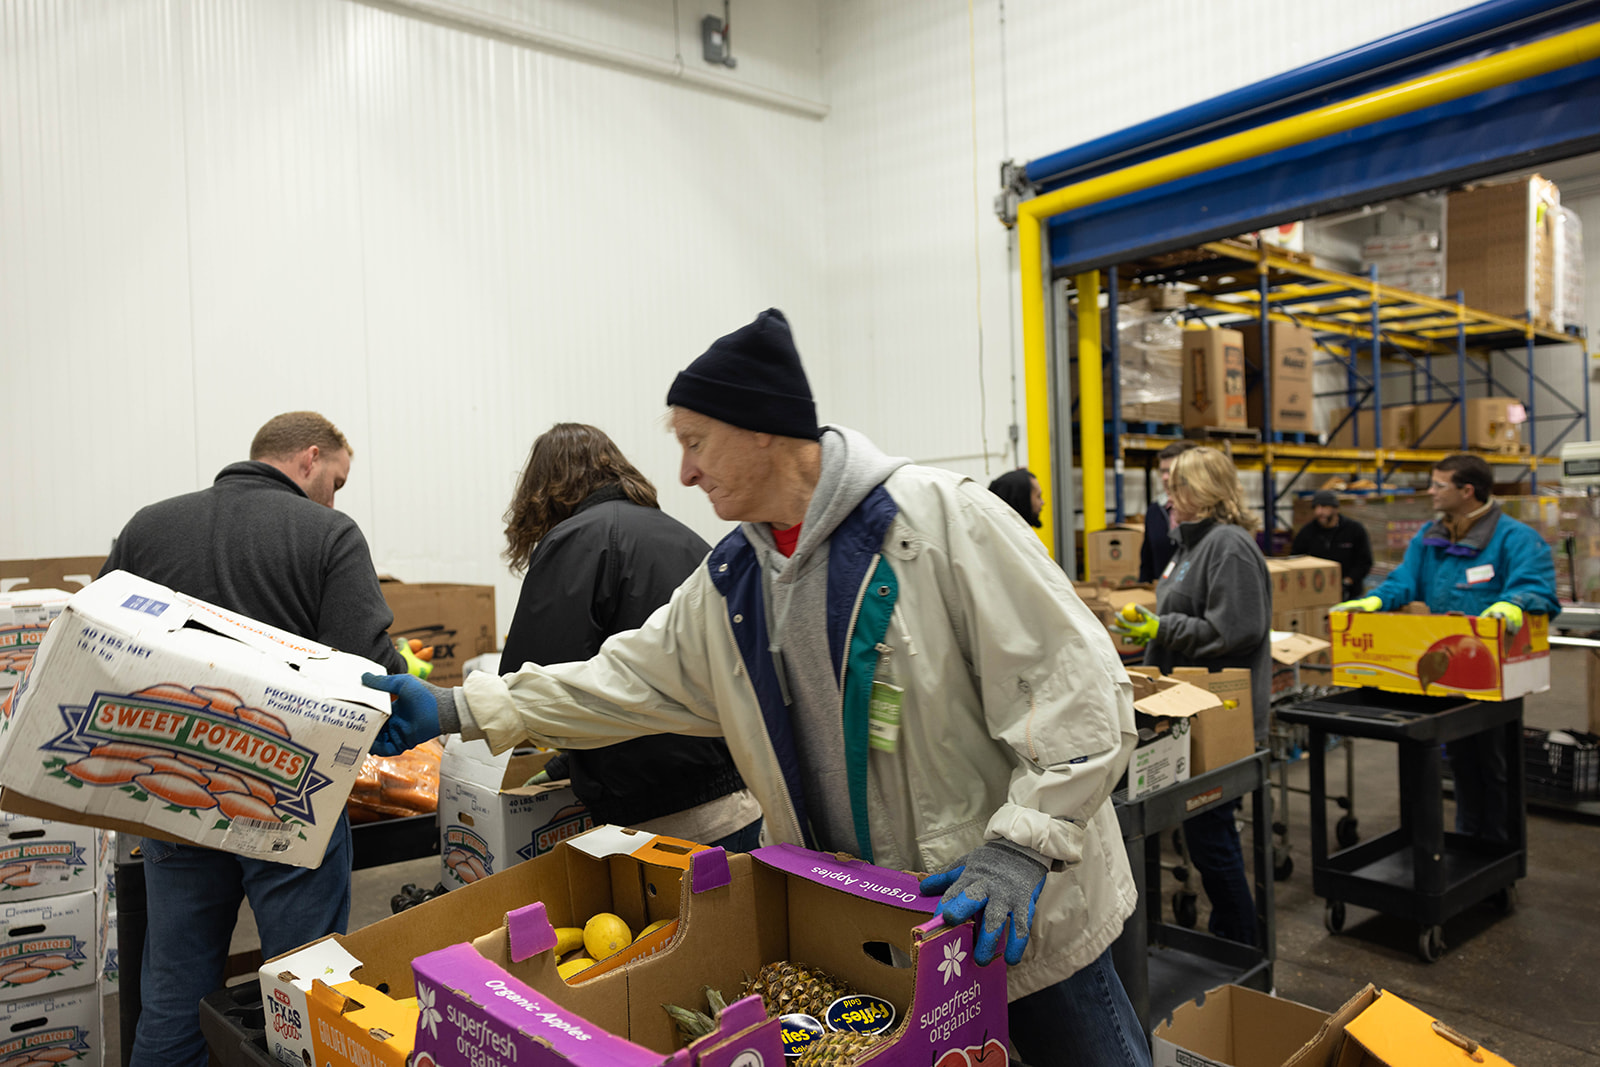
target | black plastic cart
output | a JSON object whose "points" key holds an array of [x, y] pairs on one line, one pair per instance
{"points": [[1418, 872], [1163, 965]]}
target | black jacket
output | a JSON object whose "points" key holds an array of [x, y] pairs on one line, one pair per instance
{"points": [[1346, 544], [1158, 544], [603, 571], [255, 544]]}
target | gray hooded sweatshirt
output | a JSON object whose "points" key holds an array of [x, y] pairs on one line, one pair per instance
{"points": [[796, 593]]}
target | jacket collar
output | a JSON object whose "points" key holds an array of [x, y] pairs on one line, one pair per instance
{"points": [[254, 468], [602, 495], [1191, 533], [1476, 538]]}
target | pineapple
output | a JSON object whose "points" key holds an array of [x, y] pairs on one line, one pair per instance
{"points": [[786, 988], [836, 1050]]}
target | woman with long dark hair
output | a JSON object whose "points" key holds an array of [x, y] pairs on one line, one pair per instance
{"points": [[600, 557]]}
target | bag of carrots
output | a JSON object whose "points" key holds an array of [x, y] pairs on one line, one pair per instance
{"points": [[391, 787]]}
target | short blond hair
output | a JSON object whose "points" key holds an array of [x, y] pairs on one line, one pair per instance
{"points": [[293, 432], [1209, 484]]}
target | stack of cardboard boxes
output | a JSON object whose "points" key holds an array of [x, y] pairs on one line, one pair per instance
{"points": [[1303, 589], [1411, 261], [1494, 423], [1502, 248]]}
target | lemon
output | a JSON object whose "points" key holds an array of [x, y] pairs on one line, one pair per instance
{"points": [[572, 967], [1130, 611], [605, 934], [568, 938], [652, 928]]}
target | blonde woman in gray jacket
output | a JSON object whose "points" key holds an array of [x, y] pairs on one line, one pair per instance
{"points": [[1214, 610]]}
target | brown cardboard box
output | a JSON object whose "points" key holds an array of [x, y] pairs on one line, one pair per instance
{"points": [[1492, 422], [1293, 352], [1321, 1049], [1213, 379], [1303, 582], [457, 620], [1165, 710], [1399, 428], [65, 572], [1113, 553], [1501, 248], [1232, 1026], [1222, 735]]}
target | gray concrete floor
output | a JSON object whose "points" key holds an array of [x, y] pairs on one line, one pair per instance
{"points": [[1524, 985]]}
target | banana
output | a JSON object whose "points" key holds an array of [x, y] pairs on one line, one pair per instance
{"points": [[568, 938]]}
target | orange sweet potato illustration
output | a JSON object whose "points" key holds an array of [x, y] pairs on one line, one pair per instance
{"points": [[171, 765], [225, 700], [51, 963], [178, 694], [220, 782], [259, 790], [263, 720], [53, 1055], [107, 770], [234, 805], [14, 965], [25, 975], [176, 789], [124, 750], [25, 880], [196, 762], [14, 868]]}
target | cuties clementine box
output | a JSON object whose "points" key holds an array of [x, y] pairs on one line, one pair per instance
{"points": [[1440, 655], [150, 711]]}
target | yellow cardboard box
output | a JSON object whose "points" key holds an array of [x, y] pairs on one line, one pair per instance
{"points": [[1392, 1033], [1437, 655]]}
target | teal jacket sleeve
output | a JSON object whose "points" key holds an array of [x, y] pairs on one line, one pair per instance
{"points": [[1530, 570], [1405, 584]]}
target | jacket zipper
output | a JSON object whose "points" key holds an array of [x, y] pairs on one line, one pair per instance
{"points": [[783, 785]]}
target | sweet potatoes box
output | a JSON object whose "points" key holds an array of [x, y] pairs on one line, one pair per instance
{"points": [[476, 970], [149, 711]]}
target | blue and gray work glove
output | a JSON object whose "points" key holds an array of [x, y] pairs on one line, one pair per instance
{"points": [[1002, 881], [421, 711]]}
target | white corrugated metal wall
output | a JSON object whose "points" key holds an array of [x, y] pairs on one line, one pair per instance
{"points": [[213, 210]]}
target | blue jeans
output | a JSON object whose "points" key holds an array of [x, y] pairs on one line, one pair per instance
{"points": [[1085, 1021], [741, 840], [1214, 851], [193, 896], [1482, 786]]}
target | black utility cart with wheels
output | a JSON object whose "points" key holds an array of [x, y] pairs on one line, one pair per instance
{"points": [[1418, 872]]}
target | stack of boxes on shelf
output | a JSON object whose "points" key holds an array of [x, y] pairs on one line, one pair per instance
{"points": [[1410, 261], [1502, 251], [1494, 423]]}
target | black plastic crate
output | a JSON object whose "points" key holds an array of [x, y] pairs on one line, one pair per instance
{"points": [[1562, 768]]}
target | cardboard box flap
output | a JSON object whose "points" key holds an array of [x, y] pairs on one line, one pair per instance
{"points": [[1399, 1035], [1290, 648], [851, 876], [326, 960], [1322, 1049], [472, 761], [1170, 698]]}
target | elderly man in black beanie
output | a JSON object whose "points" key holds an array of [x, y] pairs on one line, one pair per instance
{"points": [[901, 672], [1329, 535]]}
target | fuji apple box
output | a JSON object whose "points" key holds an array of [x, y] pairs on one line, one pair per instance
{"points": [[1439, 655], [150, 711]]}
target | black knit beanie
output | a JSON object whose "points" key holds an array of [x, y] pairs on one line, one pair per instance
{"points": [[752, 379]]}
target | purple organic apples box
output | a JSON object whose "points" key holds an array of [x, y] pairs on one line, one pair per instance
{"points": [[912, 981]]}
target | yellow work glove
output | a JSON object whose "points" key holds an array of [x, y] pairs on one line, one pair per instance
{"points": [[417, 656], [1366, 603], [1503, 609], [1137, 622]]}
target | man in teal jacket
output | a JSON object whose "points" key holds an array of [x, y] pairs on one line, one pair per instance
{"points": [[1477, 560]]}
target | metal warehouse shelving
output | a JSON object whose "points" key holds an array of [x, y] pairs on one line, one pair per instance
{"points": [[1434, 343]]}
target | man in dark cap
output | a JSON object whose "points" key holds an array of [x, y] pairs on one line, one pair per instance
{"points": [[901, 672], [1329, 535]]}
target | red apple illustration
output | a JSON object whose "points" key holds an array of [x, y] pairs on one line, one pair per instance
{"points": [[954, 1058], [992, 1054], [1460, 661]]}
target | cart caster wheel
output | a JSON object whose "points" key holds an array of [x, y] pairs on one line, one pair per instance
{"points": [[1505, 901], [1430, 943], [1347, 831], [1282, 868], [1180, 873], [1185, 909], [1280, 828], [1333, 916]]}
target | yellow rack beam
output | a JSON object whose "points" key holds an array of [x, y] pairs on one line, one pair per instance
{"points": [[1248, 449]]}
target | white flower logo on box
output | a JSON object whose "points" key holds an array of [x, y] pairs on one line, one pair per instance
{"points": [[430, 1015], [951, 967]]}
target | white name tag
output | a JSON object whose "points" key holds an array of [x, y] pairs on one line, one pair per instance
{"points": [[1168, 572], [1480, 574]]}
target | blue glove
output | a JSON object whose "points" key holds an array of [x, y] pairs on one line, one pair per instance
{"points": [[1000, 880], [415, 715]]}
